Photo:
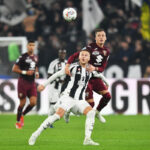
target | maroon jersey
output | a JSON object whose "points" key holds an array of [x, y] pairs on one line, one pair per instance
{"points": [[27, 62], [99, 56]]}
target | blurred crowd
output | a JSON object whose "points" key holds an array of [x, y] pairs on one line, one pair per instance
{"points": [[45, 24]]}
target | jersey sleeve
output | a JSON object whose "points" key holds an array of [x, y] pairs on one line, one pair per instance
{"points": [[73, 57], [54, 76], [19, 60], [51, 68]]}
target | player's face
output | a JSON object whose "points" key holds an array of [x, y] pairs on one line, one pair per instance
{"points": [[31, 47], [62, 55], [84, 57], [100, 37]]}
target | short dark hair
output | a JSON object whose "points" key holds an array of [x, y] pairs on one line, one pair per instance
{"points": [[31, 41], [99, 30]]}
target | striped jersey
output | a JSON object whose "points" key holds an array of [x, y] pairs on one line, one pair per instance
{"points": [[55, 66], [75, 85]]}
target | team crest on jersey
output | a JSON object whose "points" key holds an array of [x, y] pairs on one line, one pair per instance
{"points": [[35, 58], [104, 52], [95, 53], [78, 71], [86, 94], [20, 94]]}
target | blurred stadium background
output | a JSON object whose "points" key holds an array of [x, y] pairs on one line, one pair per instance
{"points": [[127, 24]]}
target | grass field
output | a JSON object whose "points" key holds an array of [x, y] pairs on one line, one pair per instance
{"points": [[119, 133]]}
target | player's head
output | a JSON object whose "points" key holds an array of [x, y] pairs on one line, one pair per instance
{"points": [[31, 46], [84, 56], [62, 54], [100, 37]]}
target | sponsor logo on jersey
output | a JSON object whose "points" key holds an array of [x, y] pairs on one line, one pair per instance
{"points": [[95, 53], [28, 60]]}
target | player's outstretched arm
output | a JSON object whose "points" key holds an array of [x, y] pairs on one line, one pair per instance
{"points": [[100, 75], [53, 77]]}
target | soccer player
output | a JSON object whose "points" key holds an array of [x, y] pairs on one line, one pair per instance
{"points": [[55, 88], [72, 98], [99, 57], [26, 67]]}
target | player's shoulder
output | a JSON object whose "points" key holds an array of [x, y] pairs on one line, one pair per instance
{"points": [[90, 46], [74, 65], [55, 61], [23, 56]]}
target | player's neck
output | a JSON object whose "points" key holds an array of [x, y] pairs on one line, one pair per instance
{"points": [[101, 45], [30, 53], [82, 65]]}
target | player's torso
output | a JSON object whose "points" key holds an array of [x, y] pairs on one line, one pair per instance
{"points": [[98, 55], [28, 62], [76, 84]]}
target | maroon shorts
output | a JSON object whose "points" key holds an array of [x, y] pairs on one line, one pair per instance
{"points": [[26, 88], [96, 85]]}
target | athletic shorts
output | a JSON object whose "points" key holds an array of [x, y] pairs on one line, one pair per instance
{"points": [[26, 88], [96, 85], [69, 104]]}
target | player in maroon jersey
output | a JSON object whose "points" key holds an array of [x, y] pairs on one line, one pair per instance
{"points": [[98, 61], [26, 67]]}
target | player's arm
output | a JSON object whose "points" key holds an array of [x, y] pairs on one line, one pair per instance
{"points": [[100, 75], [50, 79], [70, 60], [17, 69]]}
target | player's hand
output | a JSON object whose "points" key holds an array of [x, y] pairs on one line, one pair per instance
{"points": [[30, 72], [40, 88], [36, 75], [67, 70], [90, 68]]}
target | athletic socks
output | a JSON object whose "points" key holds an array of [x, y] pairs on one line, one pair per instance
{"points": [[89, 123], [19, 113], [29, 107]]}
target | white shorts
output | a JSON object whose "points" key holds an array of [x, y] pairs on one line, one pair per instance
{"points": [[69, 104]]}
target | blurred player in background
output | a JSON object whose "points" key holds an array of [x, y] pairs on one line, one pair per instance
{"points": [[55, 87], [72, 98], [99, 57], [26, 67]]}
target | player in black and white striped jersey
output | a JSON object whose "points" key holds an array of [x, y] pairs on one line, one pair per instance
{"points": [[55, 87], [72, 98]]}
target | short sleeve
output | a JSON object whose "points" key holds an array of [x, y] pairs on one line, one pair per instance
{"points": [[19, 60]]}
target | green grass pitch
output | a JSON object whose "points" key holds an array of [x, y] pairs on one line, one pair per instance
{"points": [[119, 133]]}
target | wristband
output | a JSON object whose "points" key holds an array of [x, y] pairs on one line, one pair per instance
{"points": [[24, 72]]}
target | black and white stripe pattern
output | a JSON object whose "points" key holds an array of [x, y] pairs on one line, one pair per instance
{"points": [[76, 84], [54, 67]]}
